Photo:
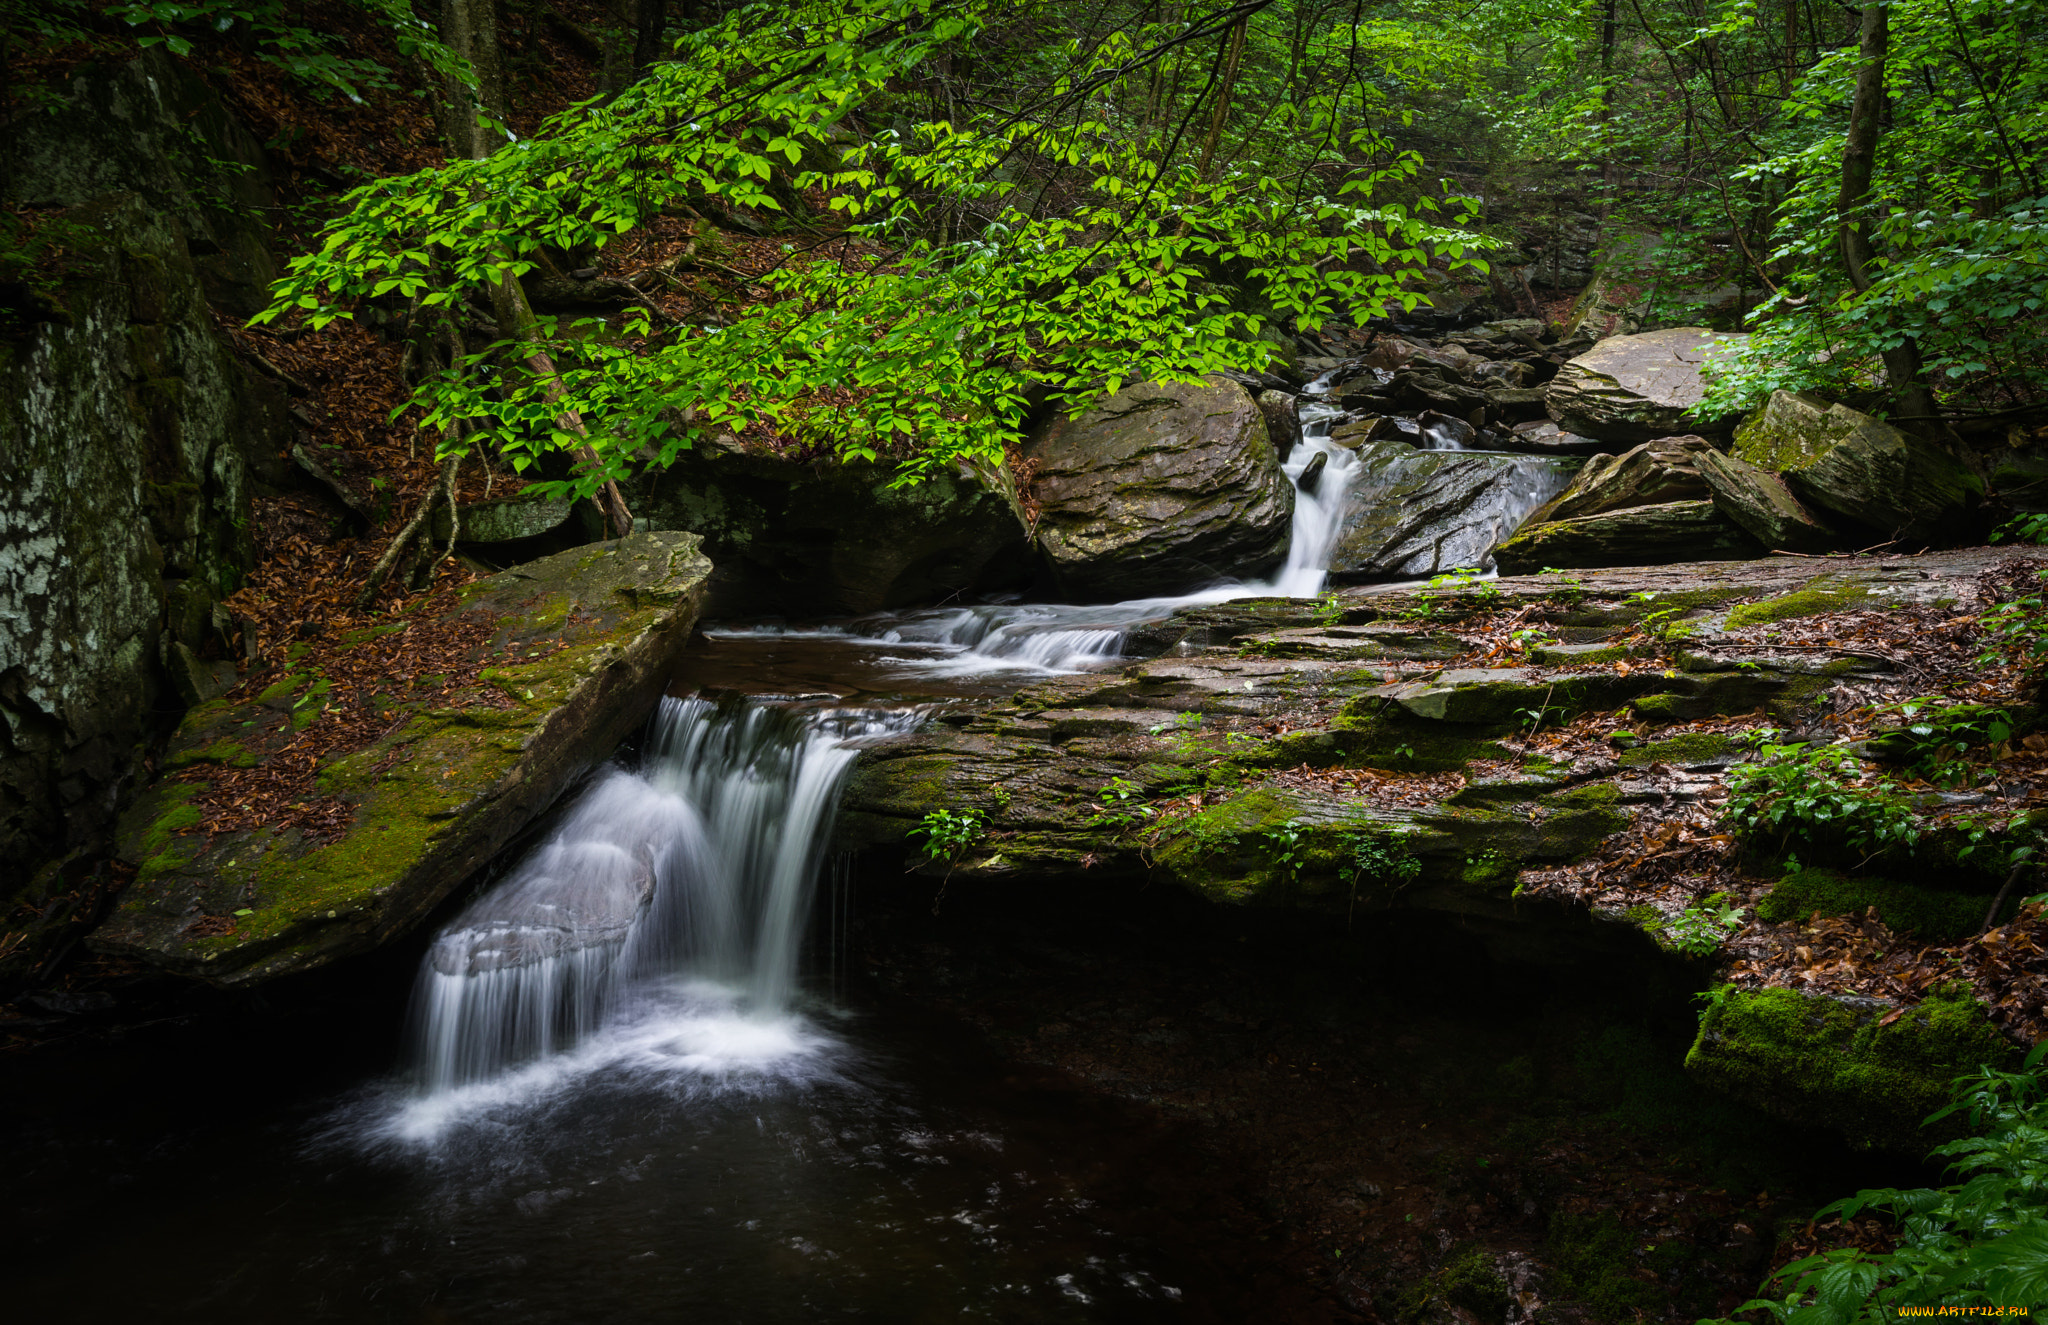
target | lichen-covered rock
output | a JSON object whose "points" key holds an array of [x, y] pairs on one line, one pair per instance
{"points": [[1418, 513], [1848, 463], [125, 436], [1633, 536], [589, 638], [504, 520], [1760, 502], [1634, 388], [1283, 419], [151, 127], [1831, 1062], [830, 539], [1158, 488]]}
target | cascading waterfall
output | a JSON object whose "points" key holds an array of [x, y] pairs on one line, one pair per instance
{"points": [[699, 863], [1042, 637]]}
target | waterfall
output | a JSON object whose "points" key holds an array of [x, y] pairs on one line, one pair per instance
{"points": [[1056, 638], [700, 862]]}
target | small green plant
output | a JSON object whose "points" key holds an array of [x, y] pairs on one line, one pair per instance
{"points": [[1329, 609], [2023, 528], [1570, 589], [1967, 1249], [2016, 634], [1288, 847], [1699, 930], [1119, 805], [1476, 584], [1664, 626], [1937, 739], [1534, 717], [1182, 722], [950, 834], [1530, 637]]}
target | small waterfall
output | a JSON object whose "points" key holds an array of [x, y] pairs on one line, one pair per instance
{"points": [[699, 863]]}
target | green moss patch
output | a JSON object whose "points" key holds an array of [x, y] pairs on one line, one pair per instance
{"points": [[1829, 1062], [1939, 917], [1811, 601], [1688, 748]]}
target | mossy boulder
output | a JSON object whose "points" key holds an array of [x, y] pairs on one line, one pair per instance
{"points": [[1631, 536], [1845, 462], [1763, 506], [1832, 1062], [587, 640]]}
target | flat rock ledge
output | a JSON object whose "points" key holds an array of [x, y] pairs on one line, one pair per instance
{"points": [[589, 638], [1270, 747]]}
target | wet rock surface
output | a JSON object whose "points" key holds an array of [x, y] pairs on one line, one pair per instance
{"points": [[1379, 756], [126, 445], [578, 646]]}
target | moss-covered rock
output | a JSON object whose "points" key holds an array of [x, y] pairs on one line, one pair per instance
{"points": [[1822, 596], [1869, 472], [431, 802], [1925, 913], [1831, 1062]]}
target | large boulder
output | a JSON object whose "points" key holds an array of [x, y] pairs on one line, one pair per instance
{"points": [[1632, 536], [574, 651], [1418, 513], [1634, 388], [1651, 474], [830, 539], [1846, 462], [1760, 502], [1158, 488]]}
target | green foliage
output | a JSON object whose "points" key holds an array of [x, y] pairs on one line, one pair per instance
{"points": [[1119, 805], [2024, 528], [917, 345], [1982, 1242], [950, 834], [277, 32], [2016, 634], [1476, 585], [1956, 212], [1938, 738], [1805, 796]]}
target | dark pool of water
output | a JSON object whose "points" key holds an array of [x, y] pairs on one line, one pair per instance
{"points": [[894, 1172]]}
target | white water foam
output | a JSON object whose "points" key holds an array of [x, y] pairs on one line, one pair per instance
{"points": [[656, 931]]}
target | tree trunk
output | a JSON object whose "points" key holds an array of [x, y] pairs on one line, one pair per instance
{"points": [[1902, 366], [470, 29]]}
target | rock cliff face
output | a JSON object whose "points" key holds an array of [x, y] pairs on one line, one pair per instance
{"points": [[124, 509], [589, 638], [1160, 488]]}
